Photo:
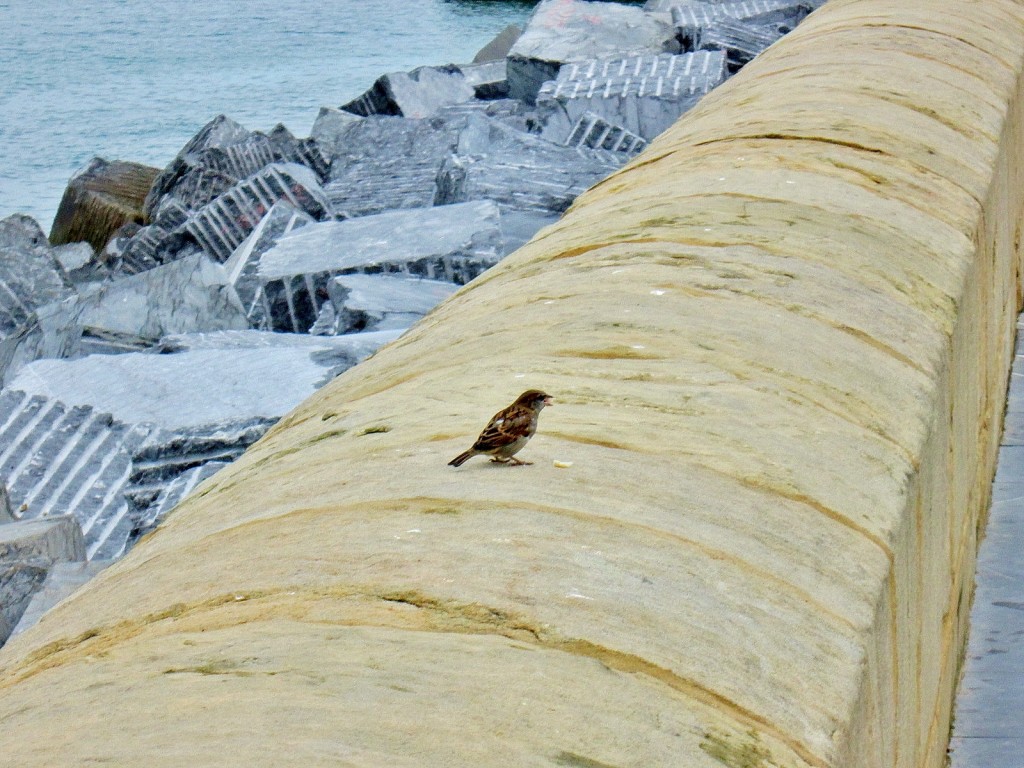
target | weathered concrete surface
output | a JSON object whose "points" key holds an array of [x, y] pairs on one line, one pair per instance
{"points": [[99, 199], [778, 341]]}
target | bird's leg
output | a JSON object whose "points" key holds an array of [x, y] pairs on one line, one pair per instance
{"points": [[499, 460], [519, 462]]}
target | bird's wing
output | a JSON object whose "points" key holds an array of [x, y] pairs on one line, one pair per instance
{"points": [[507, 426]]}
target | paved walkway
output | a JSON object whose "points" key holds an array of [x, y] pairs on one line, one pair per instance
{"points": [[989, 728]]}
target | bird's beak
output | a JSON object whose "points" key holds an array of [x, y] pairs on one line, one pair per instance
{"points": [[548, 400]]}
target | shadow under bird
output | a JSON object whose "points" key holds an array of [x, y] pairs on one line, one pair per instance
{"points": [[508, 430]]}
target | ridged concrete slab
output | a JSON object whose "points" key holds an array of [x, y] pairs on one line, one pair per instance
{"points": [[778, 341]]}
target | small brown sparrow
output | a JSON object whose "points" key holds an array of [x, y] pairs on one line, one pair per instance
{"points": [[508, 431]]}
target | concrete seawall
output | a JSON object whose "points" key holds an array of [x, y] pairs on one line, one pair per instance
{"points": [[778, 343]]}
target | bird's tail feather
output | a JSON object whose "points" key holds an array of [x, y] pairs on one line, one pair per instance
{"points": [[461, 459]]}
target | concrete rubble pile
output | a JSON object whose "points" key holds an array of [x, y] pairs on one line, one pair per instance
{"points": [[260, 265]]}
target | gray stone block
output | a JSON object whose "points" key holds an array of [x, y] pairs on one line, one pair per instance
{"points": [[740, 41], [129, 314], [689, 15], [220, 132], [197, 185], [386, 163], [510, 112], [21, 232], [67, 460], [330, 130], [594, 132], [77, 259], [572, 30], [241, 266], [168, 454], [182, 391], [453, 243], [521, 172], [44, 542], [49, 332], [383, 302], [518, 227], [188, 295], [416, 94], [18, 582], [305, 152], [220, 226], [643, 94], [29, 278], [333, 351], [150, 247], [489, 80], [27, 550], [62, 581], [173, 493], [498, 48]]}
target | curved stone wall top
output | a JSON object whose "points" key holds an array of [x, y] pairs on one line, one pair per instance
{"points": [[777, 342]]}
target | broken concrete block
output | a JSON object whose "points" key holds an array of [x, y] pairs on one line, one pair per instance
{"points": [[27, 550], [21, 232], [243, 263], [18, 582], [127, 314], [185, 390], [49, 332], [170, 496], [489, 80], [697, 14], [644, 94], [383, 302], [572, 30], [419, 93], [62, 459], [386, 163], [594, 132], [220, 226], [99, 199], [47, 541], [188, 295], [220, 132], [741, 41], [335, 352], [305, 152], [168, 454], [499, 47], [330, 129], [78, 261], [522, 172], [454, 243], [30, 278], [62, 581]]}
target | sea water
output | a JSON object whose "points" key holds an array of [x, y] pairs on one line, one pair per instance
{"points": [[136, 79]]}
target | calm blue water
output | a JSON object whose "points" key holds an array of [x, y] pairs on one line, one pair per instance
{"points": [[135, 79]]}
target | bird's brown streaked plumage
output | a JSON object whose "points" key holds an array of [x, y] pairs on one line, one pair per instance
{"points": [[508, 430]]}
